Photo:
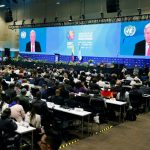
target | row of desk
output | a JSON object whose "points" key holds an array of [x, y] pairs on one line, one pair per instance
{"points": [[77, 112], [23, 129], [82, 113]]}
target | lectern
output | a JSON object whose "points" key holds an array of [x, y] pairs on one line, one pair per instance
{"points": [[57, 57]]}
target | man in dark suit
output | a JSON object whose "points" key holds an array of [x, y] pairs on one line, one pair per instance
{"points": [[143, 47], [33, 46], [140, 48], [42, 110]]}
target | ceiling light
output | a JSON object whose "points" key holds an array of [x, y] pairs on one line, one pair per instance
{"points": [[56, 19], [58, 3], [15, 22], [1, 6], [23, 22], [102, 15], [70, 18], [44, 20], [139, 11], [83, 17], [32, 21], [119, 13]]}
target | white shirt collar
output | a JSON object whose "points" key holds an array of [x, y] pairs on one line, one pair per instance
{"points": [[147, 47]]}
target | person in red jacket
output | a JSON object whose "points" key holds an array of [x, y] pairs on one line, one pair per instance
{"points": [[106, 93]]}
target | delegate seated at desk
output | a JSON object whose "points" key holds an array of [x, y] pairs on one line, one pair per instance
{"points": [[106, 93], [9, 138]]}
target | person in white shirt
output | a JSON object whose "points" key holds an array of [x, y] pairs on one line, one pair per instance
{"points": [[123, 95], [32, 118], [17, 112], [35, 120], [136, 81]]}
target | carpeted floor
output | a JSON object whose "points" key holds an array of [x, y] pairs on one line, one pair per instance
{"points": [[126, 136]]}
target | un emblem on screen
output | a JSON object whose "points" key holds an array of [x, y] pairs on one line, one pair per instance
{"points": [[129, 30], [23, 34]]}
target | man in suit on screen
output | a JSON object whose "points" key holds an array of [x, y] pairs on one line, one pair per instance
{"points": [[33, 45], [143, 47]]}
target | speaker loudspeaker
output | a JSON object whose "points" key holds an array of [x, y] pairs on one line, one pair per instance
{"points": [[7, 52], [8, 15], [112, 6]]}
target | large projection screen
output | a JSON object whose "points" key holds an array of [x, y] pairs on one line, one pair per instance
{"points": [[98, 40]]}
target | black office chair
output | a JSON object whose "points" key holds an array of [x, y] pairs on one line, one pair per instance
{"points": [[63, 121], [145, 90], [98, 109], [135, 97], [83, 102], [98, 106], [50, 91], [126, 82], [34, 91]]}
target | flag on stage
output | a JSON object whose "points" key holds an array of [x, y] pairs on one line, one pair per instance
{"points": [[79, 53], [72, 57]]}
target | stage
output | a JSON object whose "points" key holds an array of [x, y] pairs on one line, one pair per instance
{"points": [[128, 62]]}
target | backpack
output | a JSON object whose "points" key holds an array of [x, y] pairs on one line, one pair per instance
{"points": [[131, 115]]}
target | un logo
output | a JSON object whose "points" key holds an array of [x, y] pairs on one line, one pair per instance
{"points": [[129, 30], [23, 34]]}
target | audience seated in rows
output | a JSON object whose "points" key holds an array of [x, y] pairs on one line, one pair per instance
{"points": [[59, 85]]}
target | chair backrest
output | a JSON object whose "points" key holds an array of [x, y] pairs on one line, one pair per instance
{"points": [[71, 102], [97, 105], [51, 91], [34, 91], [83, 101], [97, 102], [126, 82], [145, 90], [2, 140], [135, 98]]}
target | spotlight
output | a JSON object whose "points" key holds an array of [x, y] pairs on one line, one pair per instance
{"points": [[23, 22], [2, 5], [70, 18], [44, 21], [83, 17], [119, 13], [32, 21], [139, 11], [15, 22], [56, 19], [102, 15], [57, 3]]}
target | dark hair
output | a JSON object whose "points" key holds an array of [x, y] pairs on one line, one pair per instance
{"points": [[5, 99], [38, 95], [122, 93], [11, 85], [32, 113], [54, 138], [23, 91], [6, 113]]}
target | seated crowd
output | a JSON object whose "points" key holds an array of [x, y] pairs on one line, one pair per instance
{"points": [[22, 90]]}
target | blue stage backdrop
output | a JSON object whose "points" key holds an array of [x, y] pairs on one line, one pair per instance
{"points": [[113, 40]]}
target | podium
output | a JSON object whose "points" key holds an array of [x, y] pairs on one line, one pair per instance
{"points": [[57, 57]]}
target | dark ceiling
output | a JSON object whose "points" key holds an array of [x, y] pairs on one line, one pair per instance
{"points": [[8, 3]]}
